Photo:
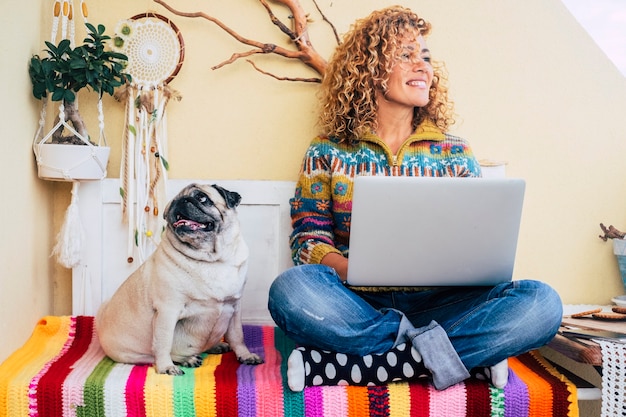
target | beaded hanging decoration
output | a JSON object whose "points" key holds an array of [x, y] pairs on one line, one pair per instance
{"points": [[155, 50]]}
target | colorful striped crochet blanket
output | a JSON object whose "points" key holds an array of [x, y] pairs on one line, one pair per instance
{"points": [[62, 371]]}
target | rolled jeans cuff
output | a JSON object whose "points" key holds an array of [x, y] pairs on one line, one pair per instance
{"points": [[439, 356]]}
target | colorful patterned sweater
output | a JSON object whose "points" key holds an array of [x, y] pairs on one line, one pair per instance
{"points": [[322, 205]]}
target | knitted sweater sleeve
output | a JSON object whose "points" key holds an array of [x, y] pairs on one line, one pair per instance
{"points": [[312, 237]]}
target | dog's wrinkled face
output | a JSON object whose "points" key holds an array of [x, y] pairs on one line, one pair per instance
{"points": [[200, 212]]}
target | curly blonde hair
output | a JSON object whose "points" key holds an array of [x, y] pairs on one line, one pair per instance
{"points": [[361, 65]]}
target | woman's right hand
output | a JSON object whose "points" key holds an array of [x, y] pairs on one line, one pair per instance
{"points": [[338, 262]]}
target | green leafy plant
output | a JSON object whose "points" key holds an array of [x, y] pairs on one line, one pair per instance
{"points": [[66, 71]]}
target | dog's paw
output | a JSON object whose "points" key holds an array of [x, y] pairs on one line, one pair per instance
{"points": [[190, 362], [221, 347], [172, 370], [250, 359]]}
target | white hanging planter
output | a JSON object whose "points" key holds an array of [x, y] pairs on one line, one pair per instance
{"points": [[70, 162], [66, 152], [58, 162]]}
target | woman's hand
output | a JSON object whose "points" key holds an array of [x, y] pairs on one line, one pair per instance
{"points": [[339, 263]]}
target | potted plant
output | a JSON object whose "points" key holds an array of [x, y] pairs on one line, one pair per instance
{"points": [[60, 76]]}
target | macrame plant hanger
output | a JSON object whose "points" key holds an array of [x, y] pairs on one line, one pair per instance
{"points": [[155, 51], [71, 235]]}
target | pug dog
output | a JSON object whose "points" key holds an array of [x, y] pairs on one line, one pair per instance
{"points": [[185, 298]]}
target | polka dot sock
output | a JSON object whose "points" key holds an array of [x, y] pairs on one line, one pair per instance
{"points": [[312, 367]]}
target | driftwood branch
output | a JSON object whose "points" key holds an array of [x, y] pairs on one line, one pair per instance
{"points": [[308, 80], [236, 56], [611, 233], [298, 34], [283, 28], [327, 21]]}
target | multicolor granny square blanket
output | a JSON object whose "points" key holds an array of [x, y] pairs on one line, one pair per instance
{"points": [[62, 371]]}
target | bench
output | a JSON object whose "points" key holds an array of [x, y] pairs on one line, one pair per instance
{"points": [[62, 367]]}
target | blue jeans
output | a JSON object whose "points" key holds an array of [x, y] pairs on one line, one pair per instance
{"points": [[455, 329]]}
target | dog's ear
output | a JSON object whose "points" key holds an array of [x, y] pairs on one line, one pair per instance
{"points": [[232, 198]]}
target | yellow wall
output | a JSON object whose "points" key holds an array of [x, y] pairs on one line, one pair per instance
{"points": [[530, 87], [26, 208]]}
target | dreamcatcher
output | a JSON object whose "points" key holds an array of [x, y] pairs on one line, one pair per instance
{"points": [[155, 51]]}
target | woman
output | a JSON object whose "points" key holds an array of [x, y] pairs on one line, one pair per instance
{"points": [[384, 111]]}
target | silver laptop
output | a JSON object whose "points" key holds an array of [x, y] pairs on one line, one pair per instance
{"points": [[409, 231]]}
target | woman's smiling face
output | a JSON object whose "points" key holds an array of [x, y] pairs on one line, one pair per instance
{"points": [[411, 74]]}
